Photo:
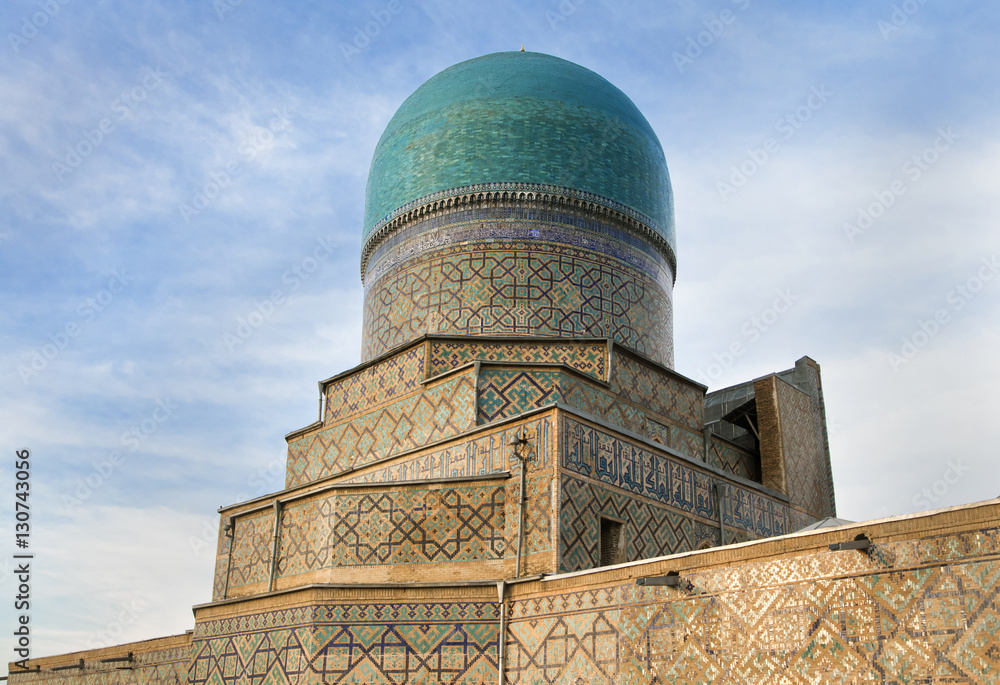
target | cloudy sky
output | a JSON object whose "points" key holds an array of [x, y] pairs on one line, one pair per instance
{"points": [[167, 166]]}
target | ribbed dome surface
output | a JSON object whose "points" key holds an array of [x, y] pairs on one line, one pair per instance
{"points": [[520, 117]]}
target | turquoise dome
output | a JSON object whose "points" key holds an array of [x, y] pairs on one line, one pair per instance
{"points": [[521, 117]]}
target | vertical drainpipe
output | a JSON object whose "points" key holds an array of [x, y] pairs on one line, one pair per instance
{"points": [[502, 639], [274, 545], [520, 513], [229, 557]]}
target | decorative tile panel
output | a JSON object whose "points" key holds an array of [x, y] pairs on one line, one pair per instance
{"points": [[818, 617], [440, 410], [588, 358], [517, 277], [806, 474], [509, 392], [729, 458], [402, 527], [651, 530], [607, 459], [251, 549], [661, 394], [376, 385], [486, 453], [168, 666], [369, 643]]}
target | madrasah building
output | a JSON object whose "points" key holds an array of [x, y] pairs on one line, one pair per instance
{"points": [[515, 486]]}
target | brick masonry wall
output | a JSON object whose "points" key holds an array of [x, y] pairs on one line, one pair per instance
{"points": [[923, 606], [162, 660], [806, 464]]}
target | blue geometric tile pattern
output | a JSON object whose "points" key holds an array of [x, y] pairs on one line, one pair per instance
{"points": [[364, 642], [606, 459], [483, 279]]}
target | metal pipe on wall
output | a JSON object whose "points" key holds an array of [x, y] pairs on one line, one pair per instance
{"points": [[518, 443], [274, 545], [502, 639], [520, 519]]}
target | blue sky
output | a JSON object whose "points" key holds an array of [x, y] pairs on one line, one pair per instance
{"points": [[842, 157]]}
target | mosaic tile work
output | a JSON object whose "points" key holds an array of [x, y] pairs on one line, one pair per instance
{"points": [[251, 549], [660, 393], [607, 459], [651, 530], [658, 432], [168, 666], [412, 526], [506, 392], [402, 527], [628, 413], [806, 464], [730, 458], [588, 358], [688, 443], [484, 454], [378, 384], [509, 392], [585, 232], [371, 643], [537, 523], [500, 285], [827, 617], [522, 117], [439, 411]]}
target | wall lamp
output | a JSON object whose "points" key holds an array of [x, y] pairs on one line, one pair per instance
{"points": [[861, 542], [672, 579], [516, 443]]}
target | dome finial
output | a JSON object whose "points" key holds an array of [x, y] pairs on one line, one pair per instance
{"points": [[522, 47]]}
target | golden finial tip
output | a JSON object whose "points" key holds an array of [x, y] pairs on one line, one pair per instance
{"points": [[522, 47]]}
